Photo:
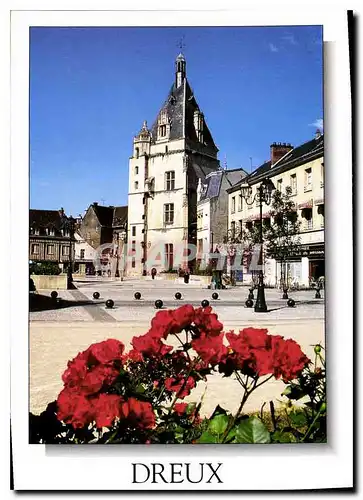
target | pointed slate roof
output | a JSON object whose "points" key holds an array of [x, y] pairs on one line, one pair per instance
{"points": [[180, 106]]}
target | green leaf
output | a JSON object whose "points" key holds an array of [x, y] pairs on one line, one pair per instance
{"points": [[282, 437], [140, 389], [190, 408], [293, 392], [252, 430], [298, 419], [207, 437], [218, 424], [218, 410]]}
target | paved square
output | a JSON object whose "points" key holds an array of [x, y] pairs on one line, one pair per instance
{"points": [[58, 335]]}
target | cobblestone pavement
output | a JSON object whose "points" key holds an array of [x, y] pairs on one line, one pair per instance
{"points": [[58, 335]]}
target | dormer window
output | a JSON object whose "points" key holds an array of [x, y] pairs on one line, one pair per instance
{"points": [[163, 125], [51, 231]]}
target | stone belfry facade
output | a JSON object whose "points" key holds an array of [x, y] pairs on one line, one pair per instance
{"points": [[167, 162]]}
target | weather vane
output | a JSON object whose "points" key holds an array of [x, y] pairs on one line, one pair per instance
{"points": [[180, 43]]}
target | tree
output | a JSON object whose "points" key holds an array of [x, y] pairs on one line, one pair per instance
{"points": [[282, 235]]}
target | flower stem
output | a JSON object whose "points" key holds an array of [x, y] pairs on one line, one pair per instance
{"points": [[307, 433]]}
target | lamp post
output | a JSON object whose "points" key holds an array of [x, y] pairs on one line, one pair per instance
{"points": [[122, 238], [262, 195], [68, 224]]}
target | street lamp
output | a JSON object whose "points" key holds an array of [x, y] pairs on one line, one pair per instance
{"points": [[123, 235], [263, 195], [68, 225]]}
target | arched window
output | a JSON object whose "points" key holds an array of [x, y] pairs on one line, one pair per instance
{"points": [[137, 152], [136, 170]]}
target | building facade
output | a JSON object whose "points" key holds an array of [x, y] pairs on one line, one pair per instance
{"points": [[85, 255], [164, 170], [102, 233], [50, 237], [212, 211], [302, 170]]}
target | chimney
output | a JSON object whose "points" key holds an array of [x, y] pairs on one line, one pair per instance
{"points": [[278, 150], [317, 133], [95, 203], [61, 211]]}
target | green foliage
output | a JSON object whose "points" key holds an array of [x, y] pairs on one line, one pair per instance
{"points": [[252, 430], [46, 267], [282, 236]]}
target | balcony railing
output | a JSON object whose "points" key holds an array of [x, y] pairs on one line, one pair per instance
{"points": [[308, 187], [307, 225]]}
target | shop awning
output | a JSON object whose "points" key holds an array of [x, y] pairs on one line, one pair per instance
{"points": [[307, 204], [320, 201]]}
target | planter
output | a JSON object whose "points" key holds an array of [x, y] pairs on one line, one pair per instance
{"points": [[50, 282]]}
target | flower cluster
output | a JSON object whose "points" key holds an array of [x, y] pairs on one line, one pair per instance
{"points": [[104, 386], [87, 380], [253, 352]]}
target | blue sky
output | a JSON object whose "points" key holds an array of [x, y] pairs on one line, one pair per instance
{"points": [[91, 89]]}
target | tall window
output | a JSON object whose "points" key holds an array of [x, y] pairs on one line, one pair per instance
{"points": [[233, 208], [133, 231], [293, 183], [308, 179], [137, 152], [136, 185], [233, 229], [136, 170], [50, 249], [170, 180], [279, 185], [240, 228], [82, 253], [307, 214], [65, 250], [35, 248], [169, 213], [169, 256], [239, 202], [162, 130]]}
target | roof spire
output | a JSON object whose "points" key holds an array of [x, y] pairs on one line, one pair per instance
{"points": [[180, 70]]}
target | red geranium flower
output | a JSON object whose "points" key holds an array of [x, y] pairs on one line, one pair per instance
{"points": [[180, 408], [98, 377], [107, 351], [207, 321], [106, 407], [210, 349], [132, 355], [138, 413], [76, 369], [74, 408], [287, 358], [162, 323], [183, 316], [179, 385], [150, 344]]}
